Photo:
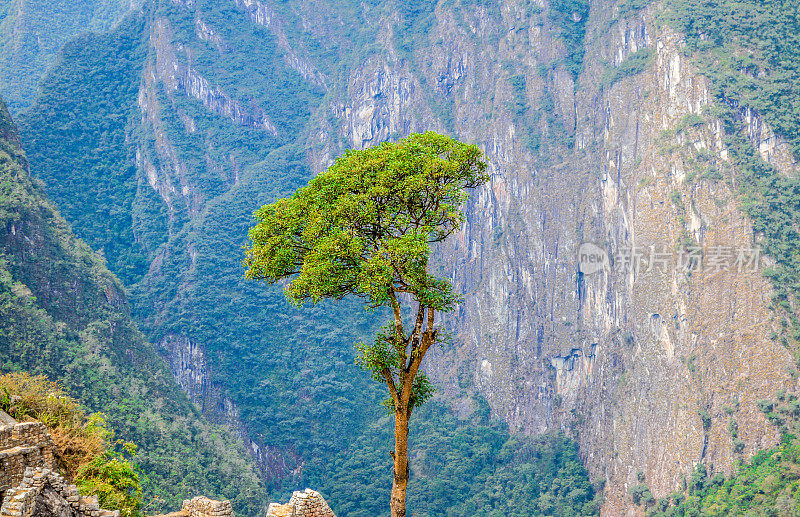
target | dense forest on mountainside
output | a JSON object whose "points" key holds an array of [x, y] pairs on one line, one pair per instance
{"points": [[32, 33], [453, 459], [462, 467], [64, 315]]}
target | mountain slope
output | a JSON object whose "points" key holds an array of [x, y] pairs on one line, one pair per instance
{"points": [[167, 98], [32, 33], [66, 316]]}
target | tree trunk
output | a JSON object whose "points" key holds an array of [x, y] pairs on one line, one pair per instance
{"points": [[398, 502]]}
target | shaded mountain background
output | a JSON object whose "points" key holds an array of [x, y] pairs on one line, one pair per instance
{"points": [[624, 123], [284, 379], [66, 316], [32, 33]]}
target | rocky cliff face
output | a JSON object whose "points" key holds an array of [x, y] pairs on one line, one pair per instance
{"points": [[648, 359]]}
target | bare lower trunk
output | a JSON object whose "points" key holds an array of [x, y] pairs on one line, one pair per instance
{"points": [[400, 455]]}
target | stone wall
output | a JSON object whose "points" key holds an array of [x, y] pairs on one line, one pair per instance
{"points": [[29, 486], [307, 503], [204, 507], [22, 445], [44, 493]]}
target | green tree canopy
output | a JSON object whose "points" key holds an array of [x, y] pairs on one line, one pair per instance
{"points": [[365, 225]]}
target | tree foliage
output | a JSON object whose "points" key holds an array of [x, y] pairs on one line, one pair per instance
{"points": [[364, 228]]}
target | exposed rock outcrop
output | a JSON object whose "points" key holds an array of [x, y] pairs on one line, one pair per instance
{"points": [[178, 74], [192, 370], [263, 14], [630, 356]]}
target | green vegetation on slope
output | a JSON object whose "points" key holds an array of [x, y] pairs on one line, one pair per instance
{"points": [[569, 18], [290, 371], [64, 315], [32, 33], [633, 64], [298, 364], [751, 51], [461, 467], [416, 19], [83, 129]]}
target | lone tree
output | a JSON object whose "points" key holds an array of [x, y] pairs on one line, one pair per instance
{"points": [[365, 227]]}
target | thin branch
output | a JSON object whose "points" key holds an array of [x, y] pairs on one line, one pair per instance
{"points": [[415, 335]]}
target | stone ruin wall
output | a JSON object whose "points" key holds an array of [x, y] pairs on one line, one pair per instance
{"points": [[31, 487], [307, 503], [43, 492], [205, 507], [22, 445]]}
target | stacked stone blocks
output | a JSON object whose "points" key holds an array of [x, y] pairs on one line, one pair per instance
{"points": [[22, 445], [307, 503], [22, 501], [204, 507]]}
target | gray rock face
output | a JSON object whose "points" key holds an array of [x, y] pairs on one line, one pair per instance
{"points": [[50, 503], [305, 503], [178, 74]]}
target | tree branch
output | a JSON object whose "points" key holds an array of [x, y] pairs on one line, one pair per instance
{"points": [[398, 316], [415, 335], [399, 336], [387, 376]]}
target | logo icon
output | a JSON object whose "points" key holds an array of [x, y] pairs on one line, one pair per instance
{"points": [[592, 258]]}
